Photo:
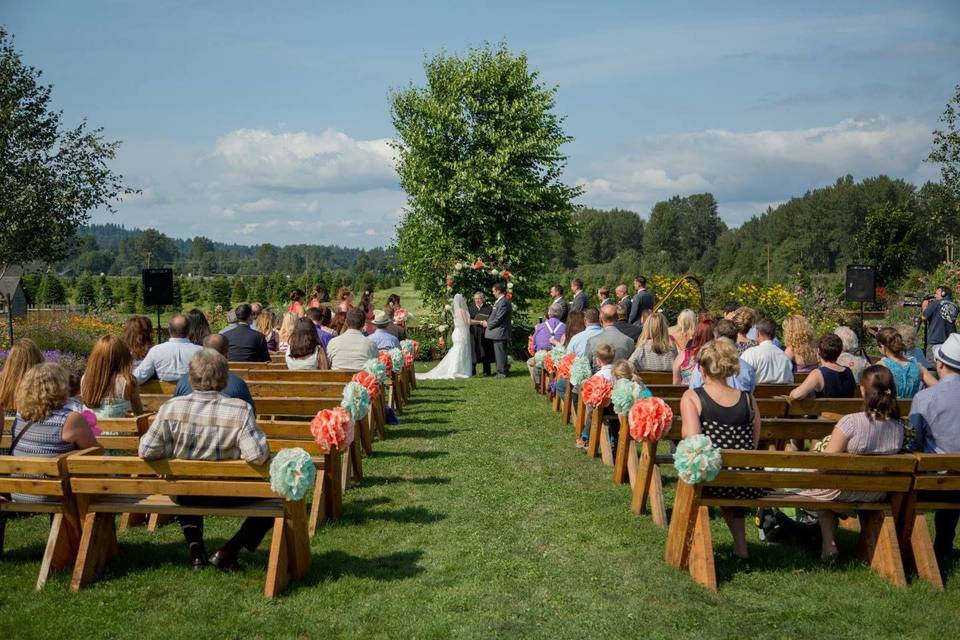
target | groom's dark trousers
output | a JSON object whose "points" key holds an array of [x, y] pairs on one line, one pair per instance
{"points": [[500, 352]]}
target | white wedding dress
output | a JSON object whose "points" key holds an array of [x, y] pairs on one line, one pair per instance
{"points": [[458, 363]]}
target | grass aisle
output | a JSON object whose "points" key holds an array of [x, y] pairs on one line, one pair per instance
{"points": [[477, 518]]}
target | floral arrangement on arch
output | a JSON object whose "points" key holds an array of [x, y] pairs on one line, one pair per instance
{"points": [[478, 266]]}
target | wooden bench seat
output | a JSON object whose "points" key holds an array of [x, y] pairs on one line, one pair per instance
{"points": [[107, 485], [936, 487], [689, 543]]}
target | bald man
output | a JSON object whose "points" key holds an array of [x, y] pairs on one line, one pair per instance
{"points": [[171, 359], [621, 344]]}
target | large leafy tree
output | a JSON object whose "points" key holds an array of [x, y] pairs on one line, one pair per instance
{"points": [[888, 240], [946, 145], [479, 155], [680, 231], [51, 177]]}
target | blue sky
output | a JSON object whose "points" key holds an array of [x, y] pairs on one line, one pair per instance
{"points": [[251, 122]]}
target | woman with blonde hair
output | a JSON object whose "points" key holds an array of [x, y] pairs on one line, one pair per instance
{"points": [[798, 343], [138, 336], [655, 351], [744, 319], [108, 387], [682, 332], [265, 326], [23, 355], [729, 418], [909, 377], [287, 326], [44, 426]]}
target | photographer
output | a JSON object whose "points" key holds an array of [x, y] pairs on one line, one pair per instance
{"points": [[941, 314]]}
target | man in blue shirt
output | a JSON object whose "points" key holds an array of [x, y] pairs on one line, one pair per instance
{"points": [[941, 316], [578, 343], [380, 336], [935, 416], [236, 387], [171, 359]]}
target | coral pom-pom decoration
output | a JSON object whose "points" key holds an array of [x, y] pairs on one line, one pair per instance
{"points": [[330, 428], [563, 368], [387, 361], [548, 364], [596, 391], [649, 419], [369, 382]]}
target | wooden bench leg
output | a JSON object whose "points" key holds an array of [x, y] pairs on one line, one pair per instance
{"points": [[3, 531], [318, 506], [878, 545], [567, 404], [356, 462], [579, 419], [98, 545], [278, 562], [658, 507], [641, 485], [633, 462], [701, 562], [623, 453], [924, 557], [155, 520], [606, 449], [593, 445], [364, 432], [333, 489], [676, 553], [54, 539]]}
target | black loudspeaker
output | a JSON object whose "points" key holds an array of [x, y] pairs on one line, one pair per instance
{"points": [[861, 282], [157, 287]]}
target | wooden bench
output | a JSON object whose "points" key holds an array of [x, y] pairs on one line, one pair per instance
{"points": [[936, 485], [107, 485], [666, 377], [689, 543], [52, 483]]}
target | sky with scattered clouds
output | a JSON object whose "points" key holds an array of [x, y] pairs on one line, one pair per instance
{"points": [[253, 122]]}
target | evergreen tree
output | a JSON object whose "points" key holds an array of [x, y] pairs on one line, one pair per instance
{"points": [[261, 291], [220, 292], [177, 294], [130, 296], [239, 292], [105, 297], [51, 291], [86, 292]]}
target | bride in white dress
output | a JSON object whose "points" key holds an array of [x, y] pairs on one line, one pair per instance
{"points": [[458, 363]]}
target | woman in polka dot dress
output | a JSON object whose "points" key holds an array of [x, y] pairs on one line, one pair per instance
{"points": [[729, 418]]}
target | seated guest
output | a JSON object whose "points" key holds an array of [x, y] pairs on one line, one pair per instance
{"points": [[546, 335], [686, 361], [829, 380], [591, 327], [287, 325], [246, 343], [874, 431], [108, 387], [351, 349], [935, 417], [319, 316], [380, 336], [632, 331], [171, 359], [743, 318], [236, 387], [264, 325], [398, 329], [798, 338], [339, 322], [728, 417], [138, 336], [318, 296], [206, 425], [574, 325], [682, 332], [603, 357], [23, 355], [199, 326], [255, 309], [850, 358], [908, 376], [622, 345], [746, 379], [910, 348], [305, 351], [366, 303], [771, 365], [655, 351]]}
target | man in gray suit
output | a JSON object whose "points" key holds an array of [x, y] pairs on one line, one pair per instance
{"points": [[623, 298], [499, 327], [580, 301], [622, 345], [556, 294], [642, 301]]}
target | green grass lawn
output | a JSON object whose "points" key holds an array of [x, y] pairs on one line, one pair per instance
{"points": [[476, 518]]}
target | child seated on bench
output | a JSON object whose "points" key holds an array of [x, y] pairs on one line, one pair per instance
{"points": [[603, 360], [875, 430]]}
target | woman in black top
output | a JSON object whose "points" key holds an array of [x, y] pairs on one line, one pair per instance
{"points": [[729, 418], [829, 380]]}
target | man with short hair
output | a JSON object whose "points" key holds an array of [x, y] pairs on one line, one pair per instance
{"points": [[206, 425], [556, 294], [622, 345], [769, 362], [603, 294], [643, 300], [935, 417], [746, 379], [499, 327], [579, 302], [380, 336], [482, 353], [235, 387], [730, 310], [941, 316], [623, 298], [255, 309], [632, 331], [546, 335], [591, 321], [171, 359], [246, 343], [351, 349]]}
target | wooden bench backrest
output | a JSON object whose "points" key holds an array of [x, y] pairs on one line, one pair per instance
{"points": [[268, 406], [843, 406], [284, 375], [129, 475], [53, 470], [773, 429], [666, 377], [768, 407], [938, 472]]}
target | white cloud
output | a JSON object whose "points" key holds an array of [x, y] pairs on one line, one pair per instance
{"points": [[746, 169], [305, 162]]}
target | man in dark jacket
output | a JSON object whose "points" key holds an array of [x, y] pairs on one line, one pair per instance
{"points": [[246, 343]]}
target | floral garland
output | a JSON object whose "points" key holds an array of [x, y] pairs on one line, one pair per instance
{"points": [[625, 393], [332, 428], [557, 353], [548, 365], [649, 419], [356, 400], [369, 382], [479, 265], [596, 391], [292, 473], [580, 371], [697, 460], [563, 367]]}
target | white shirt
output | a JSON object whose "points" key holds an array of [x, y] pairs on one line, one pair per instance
{"points": [[771, 365], [606, 371], [168, 361]]}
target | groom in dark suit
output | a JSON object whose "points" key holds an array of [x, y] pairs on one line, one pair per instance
{"points": [[579, 302], [482, 347], [642, 301], [499, 326]]}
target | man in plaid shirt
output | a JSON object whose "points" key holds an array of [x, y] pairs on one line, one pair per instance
{"points": [[206, 425]]}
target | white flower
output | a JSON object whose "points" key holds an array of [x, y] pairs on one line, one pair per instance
{"points": [[442, 328], [448, 308], [458, 266], [494, 272], [510, 286]]}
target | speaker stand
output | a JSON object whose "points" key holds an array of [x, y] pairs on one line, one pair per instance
{"points": [[159, 335], [863, 335]]}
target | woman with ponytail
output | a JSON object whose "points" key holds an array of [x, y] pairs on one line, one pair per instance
{"points": [[908, 376]]}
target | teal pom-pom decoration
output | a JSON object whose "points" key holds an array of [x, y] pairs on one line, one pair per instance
{"points": [[396, 355], [539, 357], [624, 393], [557, 353], [356, 400], [292, 473], [580, 371], [697, 460], [374, 367], [407, 347], [644, 392]]}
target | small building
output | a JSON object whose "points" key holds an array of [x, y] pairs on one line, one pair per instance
{"points": [[12, 297]]}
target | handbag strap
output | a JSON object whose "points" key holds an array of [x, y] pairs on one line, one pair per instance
{"points": [[16, 438]]}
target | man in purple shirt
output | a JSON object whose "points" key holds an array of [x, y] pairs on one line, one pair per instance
{"points": [[545, 336]]}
